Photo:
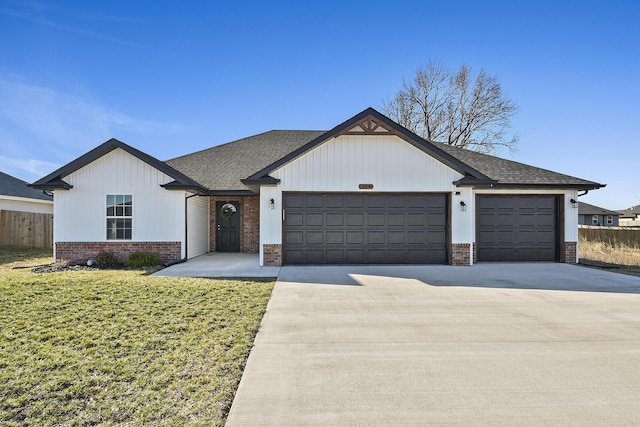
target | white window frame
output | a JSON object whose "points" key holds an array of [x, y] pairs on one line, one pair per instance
{"points": [[609, 219], [116, 208], [594, 220]]}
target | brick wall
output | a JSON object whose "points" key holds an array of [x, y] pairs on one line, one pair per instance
{"points": [[272, 255], [249, 221], [460, 254], [80, 252], [569, 254]]}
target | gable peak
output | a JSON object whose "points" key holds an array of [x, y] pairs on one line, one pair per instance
{"points": [[368, 125]]}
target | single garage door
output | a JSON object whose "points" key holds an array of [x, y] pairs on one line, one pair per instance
{"points": [[356, 228], [517, 228]]}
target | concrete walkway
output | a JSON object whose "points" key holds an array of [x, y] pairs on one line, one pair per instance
{"points": [[220, 264], [493, 344]]}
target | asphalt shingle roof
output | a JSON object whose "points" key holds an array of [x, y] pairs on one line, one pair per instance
{"points": [[509, 172], [587, 209], [223, 166], [14, 187]]}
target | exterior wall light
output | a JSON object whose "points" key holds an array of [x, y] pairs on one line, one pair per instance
{"points": [[272, 204], [574, 203], [463, 206]]}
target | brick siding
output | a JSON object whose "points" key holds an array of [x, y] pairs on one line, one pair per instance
{"points": [[249, 222], [80, 252], [570, 253], [461, 254], [272, 255]]}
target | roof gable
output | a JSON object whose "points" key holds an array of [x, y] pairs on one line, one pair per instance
{"points": [[55, 181], [371, 122]]}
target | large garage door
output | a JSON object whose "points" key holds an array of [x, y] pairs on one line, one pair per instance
{"points": [[517, 228], [348, 228]]}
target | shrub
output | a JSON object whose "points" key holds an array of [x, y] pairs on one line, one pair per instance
{"points": [[142, 259], [106, 260]]}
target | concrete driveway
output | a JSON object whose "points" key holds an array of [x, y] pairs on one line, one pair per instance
{"points": [[492, 344]]}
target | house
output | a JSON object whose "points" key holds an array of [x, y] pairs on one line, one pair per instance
{"points": [[16, 195], [595, 215], [367, 191], [630, 217], [25, 214]]}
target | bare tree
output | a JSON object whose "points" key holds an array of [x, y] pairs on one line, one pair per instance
{"points": [[458, 109]]}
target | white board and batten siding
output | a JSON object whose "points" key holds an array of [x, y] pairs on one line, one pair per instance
{"points": [[80, 213], [198, 226], [341, 164], [23, 204]]}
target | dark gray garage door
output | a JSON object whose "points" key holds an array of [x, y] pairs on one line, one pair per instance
{"points": [[348, 228], [517, 228]]}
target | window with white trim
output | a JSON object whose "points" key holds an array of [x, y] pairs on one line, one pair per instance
{"points": [[594, 219], [609, 219], [119, 216]]}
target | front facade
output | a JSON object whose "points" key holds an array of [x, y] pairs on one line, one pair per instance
{"points": [[366, 192]]}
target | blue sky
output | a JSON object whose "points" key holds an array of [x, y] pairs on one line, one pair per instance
{"points": [[170, 78]]}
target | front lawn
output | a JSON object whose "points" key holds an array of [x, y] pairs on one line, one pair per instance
{"points": [[117, 346]]}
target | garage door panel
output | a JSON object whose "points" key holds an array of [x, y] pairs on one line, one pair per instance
{"points": [[396, 219], [376, 219], [365, 228], [517, 228], [355, 237], [294, 237], [417, 219], [355, 219], [335, 237], [334, 219], [354, 201], [295, 219], [376, 237], [315, 237], [314, 201], [334, 201], [314, 220]]}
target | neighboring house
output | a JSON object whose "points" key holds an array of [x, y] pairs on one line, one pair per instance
{"points": [[630, 217], [16, 195], [595, 215], [366, 192]]}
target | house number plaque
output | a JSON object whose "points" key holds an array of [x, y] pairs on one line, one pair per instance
{"points": [[365, 186]]}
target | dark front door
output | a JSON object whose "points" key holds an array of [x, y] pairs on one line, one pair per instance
{"points": [[227, 226]]}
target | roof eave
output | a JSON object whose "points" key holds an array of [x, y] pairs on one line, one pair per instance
{"points": [[54, 184], [265, 180], [590, 186]]}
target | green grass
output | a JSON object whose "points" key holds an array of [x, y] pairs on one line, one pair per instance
{"points": [[118, 347]]}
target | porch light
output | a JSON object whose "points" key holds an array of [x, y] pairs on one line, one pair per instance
{"points": [[463, 206], [272, 204], [574, 203]]}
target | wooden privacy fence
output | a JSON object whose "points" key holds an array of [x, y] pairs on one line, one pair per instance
{"points": [[615, 236], [26, 229]]}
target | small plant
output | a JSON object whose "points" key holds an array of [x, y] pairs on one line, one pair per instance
{"points": [[106, 260], [142, 259]]}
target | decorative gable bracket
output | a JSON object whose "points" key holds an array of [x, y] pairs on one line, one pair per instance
{"points": [[367, 126]]}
